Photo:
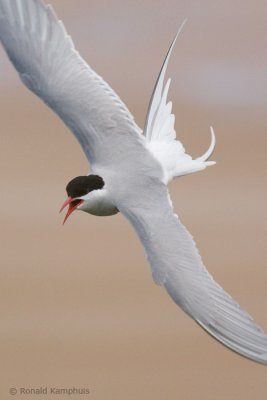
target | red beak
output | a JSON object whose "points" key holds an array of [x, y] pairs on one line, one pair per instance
{"points": [[73, 204]]}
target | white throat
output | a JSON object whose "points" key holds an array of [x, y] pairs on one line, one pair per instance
{"points": [[98, 202]]}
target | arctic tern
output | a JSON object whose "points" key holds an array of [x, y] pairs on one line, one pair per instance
{"points": [[130, 170]]}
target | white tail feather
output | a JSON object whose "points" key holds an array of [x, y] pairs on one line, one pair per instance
{"points": [[154, 105], [210, 150], [160, 132]]}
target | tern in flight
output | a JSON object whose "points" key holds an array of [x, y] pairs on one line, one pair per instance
{"points": [[130, 170]]}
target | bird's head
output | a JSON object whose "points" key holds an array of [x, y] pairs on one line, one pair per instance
{"points": [[79, 190]]}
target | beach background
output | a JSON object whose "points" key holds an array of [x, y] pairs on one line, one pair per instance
{"points": [[78, 305]]}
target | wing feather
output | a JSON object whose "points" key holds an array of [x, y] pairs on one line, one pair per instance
{"points": [[47, 62], [176, 264]]}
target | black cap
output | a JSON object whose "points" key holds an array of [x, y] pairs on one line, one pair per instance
{"points": [[81, 185]]}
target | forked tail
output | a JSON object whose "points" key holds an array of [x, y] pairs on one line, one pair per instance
{"points": [[160, 132]]}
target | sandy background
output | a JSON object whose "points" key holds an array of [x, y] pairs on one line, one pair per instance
{"points": [[78, 305]]}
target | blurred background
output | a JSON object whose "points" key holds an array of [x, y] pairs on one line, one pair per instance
{"points": [[78, 305]]}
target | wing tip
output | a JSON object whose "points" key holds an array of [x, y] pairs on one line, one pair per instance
{"points": [[260, 358]]}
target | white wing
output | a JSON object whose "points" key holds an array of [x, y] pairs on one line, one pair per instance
{"points": [[177, 265], [45, 57]]}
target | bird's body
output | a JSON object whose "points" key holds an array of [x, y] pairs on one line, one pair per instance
{"points": [[129, 170]]}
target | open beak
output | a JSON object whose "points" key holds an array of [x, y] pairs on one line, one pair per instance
{"points": [[73, 204]]}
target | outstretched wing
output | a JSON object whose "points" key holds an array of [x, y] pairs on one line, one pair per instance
{"points": [[47, 62], [177, 265]]}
